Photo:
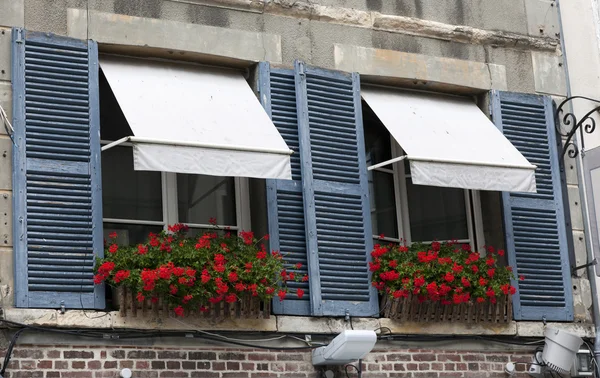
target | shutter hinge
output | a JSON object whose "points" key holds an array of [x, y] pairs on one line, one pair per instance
{"points": [[62, 307], [347, 315], [19, 36], [301, 69]]}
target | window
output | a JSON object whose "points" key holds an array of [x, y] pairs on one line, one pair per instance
{"points": [[402, 211], [138, 202]]}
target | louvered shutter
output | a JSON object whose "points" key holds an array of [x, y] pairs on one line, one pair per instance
{"points": [[56, 174], [536, 235], [335, 189], [284, 197]]}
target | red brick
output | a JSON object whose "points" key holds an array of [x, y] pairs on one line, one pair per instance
{"points": [[82, 355], [448, 357], [143, 374], [142, 354], [158, 364], [78, 364], [174, 374], [399, 367], [94, 365], [28, 364], [13, 365], [103, 354], [28, 353], [263, 366], [53, 374], [110, 364], [235, 375], [400, 375], [426, 374], [437, 366], [473, 357], [423, 357], [453, 374], [290, 357], [472, 366], [173, 365], [218, 365], [189, 365], [387, 367], [172, 355], [264, 375], [247, 366], [202, 356], [53, 354], [232, 356], [76, 374], [62, 365], [26, 374], [398, 357], [204, 374], [45, 364], [461, 366], [424, 366], [111, 374], [373, 367], [448, 366], [233, 366], [118, 354], [261, 357], [126, 364], [203, 365], [412, 367], [142, 364], [496, 358], [293, 375]]}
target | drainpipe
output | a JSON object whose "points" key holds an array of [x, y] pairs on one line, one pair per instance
{"points": [[584, 206]]}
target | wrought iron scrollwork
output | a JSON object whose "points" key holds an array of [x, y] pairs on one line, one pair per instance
{"points": [[568, 121]]}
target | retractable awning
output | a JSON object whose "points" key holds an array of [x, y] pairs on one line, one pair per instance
{"points": [[449, 142], [190, 119]]}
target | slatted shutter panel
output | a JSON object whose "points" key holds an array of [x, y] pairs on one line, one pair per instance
{"points": [[536, 235], [284, 197], [336, 200], [56, 175]]}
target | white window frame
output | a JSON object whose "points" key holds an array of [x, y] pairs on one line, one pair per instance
{"points": [[472, 203], [170, 209]]}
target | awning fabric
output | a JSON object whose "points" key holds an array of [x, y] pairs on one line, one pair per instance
{"points": [[449, 142], [198, 120]]}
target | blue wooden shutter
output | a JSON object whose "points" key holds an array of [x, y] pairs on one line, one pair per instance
{"points": [[335, 188], [536, 235], [284, 197], [56, 171]]}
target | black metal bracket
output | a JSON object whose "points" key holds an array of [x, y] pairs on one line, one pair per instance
{"points": [[575, 269], [570, 123]]}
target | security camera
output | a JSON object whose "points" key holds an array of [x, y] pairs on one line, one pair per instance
{"points": [[560, 349], [347, 347]]}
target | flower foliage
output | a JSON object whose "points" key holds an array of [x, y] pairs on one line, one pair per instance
{"points": [[440, 272], [191, 273]]}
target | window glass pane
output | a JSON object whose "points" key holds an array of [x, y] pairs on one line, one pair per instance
{"points": [[130, 234], [436, 213], [377, 139], [129, 194], [383, 204], [203, 197]]}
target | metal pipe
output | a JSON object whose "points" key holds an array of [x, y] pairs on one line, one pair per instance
{"points": [[387, 162], [584, 205], [182, 143]]}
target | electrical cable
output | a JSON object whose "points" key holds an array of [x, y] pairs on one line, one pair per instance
{"points": [[12, 344]]}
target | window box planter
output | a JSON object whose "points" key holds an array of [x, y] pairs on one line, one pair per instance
{"points": [[247, 307], [412, 310], [217, 275]]}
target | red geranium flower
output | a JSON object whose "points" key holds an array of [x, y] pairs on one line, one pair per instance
{"points": [[112, 235], [300, 293], [261, 255], [121, 275], [113, 248], [178, 311], [281, 294]]}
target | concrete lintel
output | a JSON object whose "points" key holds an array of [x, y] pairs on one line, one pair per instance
{"points": [[313, 325], [413, 328], [172, 323], [128, 33], [420, 71], [536, 329]]}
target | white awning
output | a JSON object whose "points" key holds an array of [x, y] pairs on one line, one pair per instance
{"points": [[198, 120], [449, 142]]}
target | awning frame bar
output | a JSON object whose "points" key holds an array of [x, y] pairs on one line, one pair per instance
{"points": [[135, 139], [460, 162]]}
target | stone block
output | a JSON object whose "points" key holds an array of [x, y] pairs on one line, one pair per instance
{"points": [[536, 329], [413, 328], [6, 231], [542, 18], [6, 277], [429, 70], [575, 207], [5, 162], [215, 43], [580, 251], [5, 53], [549, 74], [13, 13], [316, 325], [6, 101]]}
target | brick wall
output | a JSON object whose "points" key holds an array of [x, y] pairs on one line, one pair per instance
{"points": [[47, 361]]}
